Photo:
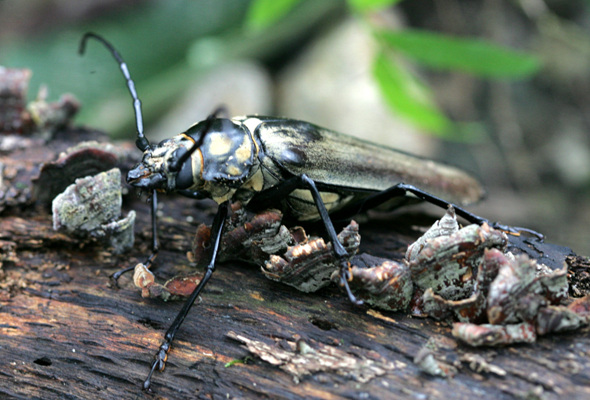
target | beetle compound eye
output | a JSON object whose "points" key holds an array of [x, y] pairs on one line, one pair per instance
{"points": [[176, 160], [184, 178]]}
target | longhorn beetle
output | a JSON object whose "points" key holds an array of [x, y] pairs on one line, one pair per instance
{"points": [[307, 171]]}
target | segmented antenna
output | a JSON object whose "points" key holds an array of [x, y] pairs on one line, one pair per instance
{"points": [[142, 143]]}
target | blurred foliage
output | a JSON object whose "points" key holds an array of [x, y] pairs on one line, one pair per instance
{"points": [[402, 90], [408, 96], [263, 13], [472, 56], [371, 5], [164, 55], [153, 40]]}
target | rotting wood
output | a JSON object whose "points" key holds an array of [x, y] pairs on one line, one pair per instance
{"points": [[65, 331]]}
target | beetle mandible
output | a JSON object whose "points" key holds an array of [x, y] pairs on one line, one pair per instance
{"points": [[307, 171]]}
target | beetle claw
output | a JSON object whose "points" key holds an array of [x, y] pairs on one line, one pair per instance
{"points": [[516, 230], [345, 277], [115, 276]]}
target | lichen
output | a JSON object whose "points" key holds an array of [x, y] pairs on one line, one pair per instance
{"points": [[91, 208]]}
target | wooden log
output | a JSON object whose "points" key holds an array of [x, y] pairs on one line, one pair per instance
{"points": [[67, 332]]}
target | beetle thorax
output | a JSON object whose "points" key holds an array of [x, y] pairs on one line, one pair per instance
{"points": [[229, 161]]}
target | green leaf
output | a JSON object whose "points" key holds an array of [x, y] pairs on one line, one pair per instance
{"points": [[264, 13], [411, 100], [406, 96], [363, 6], [474, 56]]}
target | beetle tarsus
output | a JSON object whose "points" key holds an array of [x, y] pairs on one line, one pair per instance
{"points": [[148, 263], [115, 276], [159, 363], [345, 277]]}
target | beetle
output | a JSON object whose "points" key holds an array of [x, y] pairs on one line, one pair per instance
{"points": [[307, 171]]}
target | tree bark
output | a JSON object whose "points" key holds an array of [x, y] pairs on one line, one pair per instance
{"points": [[67, 332]]}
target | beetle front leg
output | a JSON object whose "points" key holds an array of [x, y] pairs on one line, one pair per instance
{"points": [[162, 354], [148, 262]]}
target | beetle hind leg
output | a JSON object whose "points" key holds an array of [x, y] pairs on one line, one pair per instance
{"points": [[345, 277], [401, 189]]}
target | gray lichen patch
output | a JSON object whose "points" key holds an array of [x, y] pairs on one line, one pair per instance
{"points": [[524, 300], [88, 203], [522, 288], [449, 264], [91, 208]]}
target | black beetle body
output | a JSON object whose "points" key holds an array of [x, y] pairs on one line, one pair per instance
{"points": [[244, 156]]}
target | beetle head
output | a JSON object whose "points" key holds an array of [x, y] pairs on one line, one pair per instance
{"points": [[160, 168]]}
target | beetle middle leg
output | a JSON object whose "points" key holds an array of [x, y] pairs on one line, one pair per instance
{"points": [[286, 187]]}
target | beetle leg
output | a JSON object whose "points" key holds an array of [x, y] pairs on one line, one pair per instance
{"points": [[162, 354], [148, 262], [402, 189], [282, 190]]}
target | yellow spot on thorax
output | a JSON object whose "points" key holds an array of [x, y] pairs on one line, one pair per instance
{"points": [[220, 145], [244, 152]]}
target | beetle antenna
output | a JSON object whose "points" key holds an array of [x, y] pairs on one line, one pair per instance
{"points": [[142, 142]]}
